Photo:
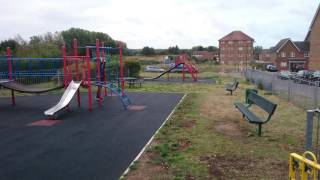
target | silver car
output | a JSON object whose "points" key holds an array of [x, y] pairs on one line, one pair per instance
{"points": [[153, 69]]}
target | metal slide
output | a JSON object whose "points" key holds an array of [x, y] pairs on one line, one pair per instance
{"points": [[65, 99]]}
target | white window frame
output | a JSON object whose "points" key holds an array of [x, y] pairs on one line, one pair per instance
{"points": [[292, 54], [306, 54], [283, 54]]}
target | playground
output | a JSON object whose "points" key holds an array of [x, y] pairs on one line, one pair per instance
{"points": [[74, 117]]}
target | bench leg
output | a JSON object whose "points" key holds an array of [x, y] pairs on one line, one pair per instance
{"points": [[259, 130]]}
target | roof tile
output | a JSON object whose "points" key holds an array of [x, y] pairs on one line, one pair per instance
{"points": [[236, 36]]}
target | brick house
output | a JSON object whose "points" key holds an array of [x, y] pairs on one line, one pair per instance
{"points": [[313, 37], [205, 55], [265, 55], [290, 55], [236, 47]]}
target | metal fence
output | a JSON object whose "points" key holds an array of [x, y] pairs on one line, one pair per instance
{"points": [[303, 94]]}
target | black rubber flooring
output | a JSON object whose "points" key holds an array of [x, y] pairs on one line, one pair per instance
{"points": [[83, 145]]}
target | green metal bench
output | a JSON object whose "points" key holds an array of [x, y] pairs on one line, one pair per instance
{"points": [[254, 99], [231, 87]]}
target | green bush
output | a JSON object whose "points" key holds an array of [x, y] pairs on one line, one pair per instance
{"points": [[260, 85], [132, 68]]}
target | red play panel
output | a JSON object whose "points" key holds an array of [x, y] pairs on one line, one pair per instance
{"points": [[44, 122], [136, 107]]}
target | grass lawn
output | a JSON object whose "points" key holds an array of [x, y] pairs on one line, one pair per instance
{"points": [[206, 138]]}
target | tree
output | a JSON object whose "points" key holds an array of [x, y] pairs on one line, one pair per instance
{"points": [[9, 43], [49, 44], [212, 48], [198, 48], [147, 51], [86, 37], [256, 51], [174, 50]]}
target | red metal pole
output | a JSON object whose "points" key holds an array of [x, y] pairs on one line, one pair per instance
{"points": [[89, 78], [65, 73], [75, 54], [105, 72], [183, 72], [9, 63], [98, 71], [9, 60], [121, 71]]}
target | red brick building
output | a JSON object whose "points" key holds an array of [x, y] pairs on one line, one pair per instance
{"points": [[265, 56], [236, 47], [290, 55], [313, 37]]}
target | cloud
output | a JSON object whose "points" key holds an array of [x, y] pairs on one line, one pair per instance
{"points": [[164, 23]]}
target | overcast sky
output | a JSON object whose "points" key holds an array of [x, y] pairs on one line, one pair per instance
{"points": [[161, 23]]}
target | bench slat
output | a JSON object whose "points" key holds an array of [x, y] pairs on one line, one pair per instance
{"points": [[252, 118], [263, 103]]}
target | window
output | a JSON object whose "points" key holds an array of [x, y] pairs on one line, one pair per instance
{"points": [[222, 42], [293, 54], [230, 42], [306, 54], [283, 64], [283, 54], [240, 48]]}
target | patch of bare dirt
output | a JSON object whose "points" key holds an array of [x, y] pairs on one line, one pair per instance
{"points": [[190, 177], [146, 169], [232, 167], [229, 129], [183, 144], [189, 124]]}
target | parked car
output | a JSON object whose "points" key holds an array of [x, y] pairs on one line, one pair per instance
{"points": [[153, 69], [271, 68], [316, 76], [303, 76], [285, 75]]}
